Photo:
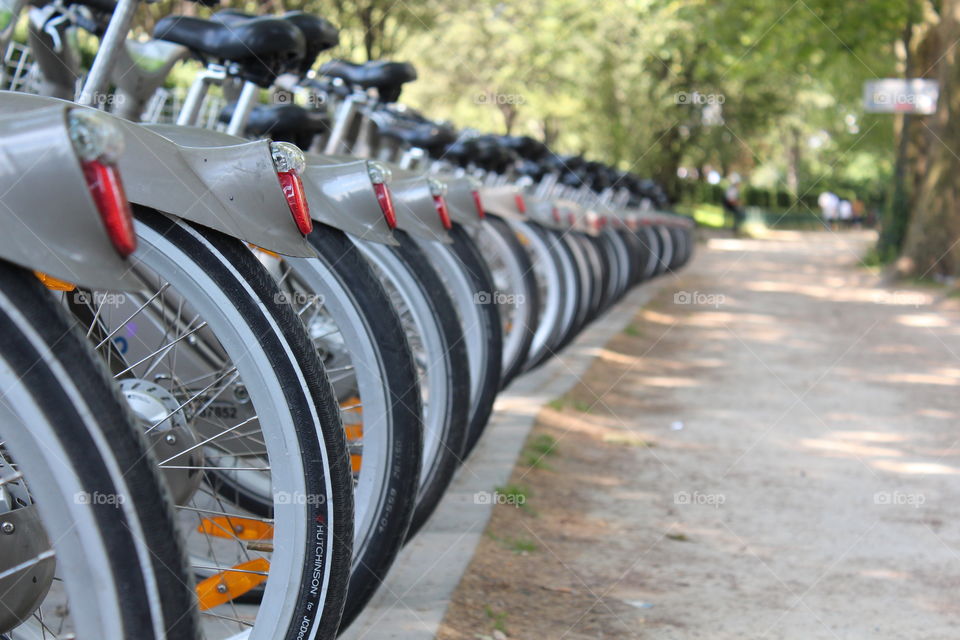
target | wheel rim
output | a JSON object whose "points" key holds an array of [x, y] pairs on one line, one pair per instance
{"points": [[267, 433]]}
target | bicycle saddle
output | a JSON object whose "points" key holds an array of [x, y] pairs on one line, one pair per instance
{"points": [[531, 168], [525, 146], [261, 48], [283, 122], [429, 137], [483, 151], [318, 34], [386, 77]]}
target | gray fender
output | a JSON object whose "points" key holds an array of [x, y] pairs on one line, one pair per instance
{"points": [[501, 200], [50, 221], [214, 179], [583, 217], [233, 189], [463, 209], [541, 211], [412, 199], [416, 209], [340, 195]]}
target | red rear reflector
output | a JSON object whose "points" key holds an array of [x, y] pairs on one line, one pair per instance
{"points": [[571, 219], [107, 192], [521, 205], [441, 205], [556, 214], [292, 187], [476, 200], [386, 203]]}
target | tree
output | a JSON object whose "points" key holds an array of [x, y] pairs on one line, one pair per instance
{"points": [[931, 247]]}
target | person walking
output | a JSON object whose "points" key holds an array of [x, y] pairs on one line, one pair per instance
{"points": [[731, 203], [828, 202]]}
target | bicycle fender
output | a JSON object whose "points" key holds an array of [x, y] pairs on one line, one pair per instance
{"points": [[51, 223], [341, 195]]}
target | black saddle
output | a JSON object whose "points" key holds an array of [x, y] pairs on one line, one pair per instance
{"points": [[483, 151], [285, 122], [261, 48], [432, 138], [318, 34], [525, 146], [387, 78]]}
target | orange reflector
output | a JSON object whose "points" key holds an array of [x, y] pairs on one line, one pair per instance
{"points": [[231, 583], [352, 404], [56, 284], [353, 431], [272, 254], [356, 462], [231, 527]]}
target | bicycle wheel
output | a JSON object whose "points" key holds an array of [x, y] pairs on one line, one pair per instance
{"points": [[573, 292], [611, 261], [651, 241], [620, 254], [598, 274], [228, 387], [665, 242], [361, 341], [470, 285], [89, 548], [549, 274], [635, 254], [436, 339], [517, 294], [585, 276]]}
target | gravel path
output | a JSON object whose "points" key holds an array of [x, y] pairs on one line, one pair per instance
{"points": [[771, 449]]}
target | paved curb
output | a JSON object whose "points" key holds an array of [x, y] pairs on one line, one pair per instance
{"points": [[411, 603]]}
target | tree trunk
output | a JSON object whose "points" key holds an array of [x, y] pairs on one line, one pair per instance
{"points": [[794, 159], [932, 246], [897, 215]]}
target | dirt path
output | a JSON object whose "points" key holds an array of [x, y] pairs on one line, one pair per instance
{"points": [[774, 454]]}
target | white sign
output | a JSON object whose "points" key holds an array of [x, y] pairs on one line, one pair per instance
{"points": [[896, 95]]}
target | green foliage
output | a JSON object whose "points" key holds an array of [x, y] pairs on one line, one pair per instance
{"points": [[607, 79], [538, 449], [499, 618]]}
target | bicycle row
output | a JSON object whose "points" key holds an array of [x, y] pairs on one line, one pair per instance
{"points": [[245, 354]]}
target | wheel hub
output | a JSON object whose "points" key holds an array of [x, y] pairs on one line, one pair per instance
{"points": [[22, 540], [169, 435]]}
